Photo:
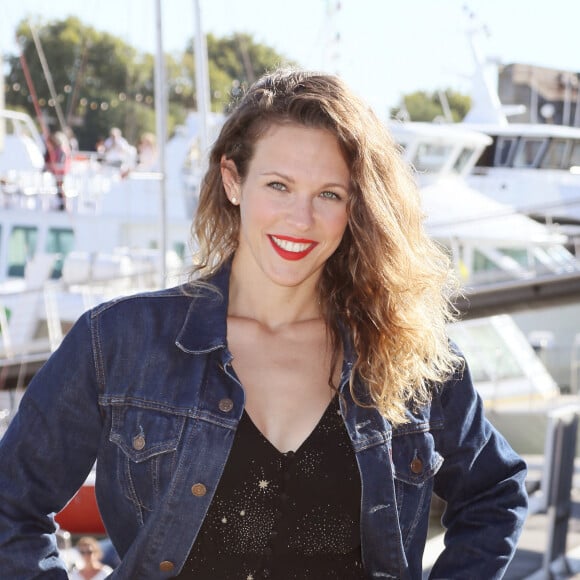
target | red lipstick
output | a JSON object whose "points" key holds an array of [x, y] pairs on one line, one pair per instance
{"points": [[291, 248]]}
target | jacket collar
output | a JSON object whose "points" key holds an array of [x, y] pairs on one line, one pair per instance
{"points": [[205, 325]]}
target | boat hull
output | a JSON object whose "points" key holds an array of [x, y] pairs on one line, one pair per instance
{"points": [[81, 515]]}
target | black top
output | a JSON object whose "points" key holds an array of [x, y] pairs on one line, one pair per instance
{"points": [[284, 515]]}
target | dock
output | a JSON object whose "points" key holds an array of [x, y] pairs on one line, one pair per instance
{"points": [[528, 561]]}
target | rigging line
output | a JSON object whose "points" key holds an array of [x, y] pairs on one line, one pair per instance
{"points": [[48, 76], [33, 94], [77, 81]]}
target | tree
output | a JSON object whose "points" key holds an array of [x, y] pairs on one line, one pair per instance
{"points": [[233, 62], [425, 106], [102, 82]]}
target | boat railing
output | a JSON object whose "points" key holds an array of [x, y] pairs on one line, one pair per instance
{"points": [[20, 341], [84, 187], [33, 321]]}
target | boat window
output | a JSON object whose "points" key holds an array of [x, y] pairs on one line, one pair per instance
{"points": [[487, 156], [21, 248], [575, 154], [490, 357], [492, 265], [503, 151], [463, 159], [555, 156], [431, 158], [59, 241], [528, 151], [557, 259], [484, 270], [179, 249], [481, 263], [520, 255]]}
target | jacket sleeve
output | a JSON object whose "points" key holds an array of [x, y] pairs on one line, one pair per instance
{"points": [[45, 456], [482, 482]]}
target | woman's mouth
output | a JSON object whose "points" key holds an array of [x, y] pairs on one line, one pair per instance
{"points": [[292, 248]]}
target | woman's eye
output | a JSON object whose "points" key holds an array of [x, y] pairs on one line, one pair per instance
{"points": [[277, 185], [330, 195]]}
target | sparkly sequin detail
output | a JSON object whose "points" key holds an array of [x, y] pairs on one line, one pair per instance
{"points": [[284, 515]]}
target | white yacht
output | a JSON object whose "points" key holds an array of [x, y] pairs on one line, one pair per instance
{"points": [[489, 241], [533, 167], [108, 241]]}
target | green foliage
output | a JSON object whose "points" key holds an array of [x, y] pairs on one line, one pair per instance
{"points": [[459, 103], [234, 62], [102, 82], [427, 107]]}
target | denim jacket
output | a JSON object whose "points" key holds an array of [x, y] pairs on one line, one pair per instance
{"points": [[144, 386]]}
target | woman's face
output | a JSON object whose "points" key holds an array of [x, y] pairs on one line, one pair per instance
{"points": [[86, 550], [293, 204]]}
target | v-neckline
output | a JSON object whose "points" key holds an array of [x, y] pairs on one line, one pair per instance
{"points": [[304, 442]]}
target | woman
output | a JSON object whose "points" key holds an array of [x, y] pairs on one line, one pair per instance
{"points": [[91, 567], [290, 412]]}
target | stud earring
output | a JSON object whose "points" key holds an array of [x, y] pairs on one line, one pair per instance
{"points": [[234, 200]]}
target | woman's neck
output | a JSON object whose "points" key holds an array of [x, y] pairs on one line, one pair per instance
{"points": [[258, 298]]}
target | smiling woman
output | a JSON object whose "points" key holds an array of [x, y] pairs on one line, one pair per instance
{"points": [[290, 412]]}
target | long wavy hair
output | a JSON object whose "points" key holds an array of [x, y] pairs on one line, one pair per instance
{"points": [[388, 283]]}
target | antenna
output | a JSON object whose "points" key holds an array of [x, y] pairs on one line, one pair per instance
{"points": [[486, 106], [332, 36]]}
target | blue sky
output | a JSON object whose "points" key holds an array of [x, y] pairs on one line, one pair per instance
{"points": [[387, 47]]}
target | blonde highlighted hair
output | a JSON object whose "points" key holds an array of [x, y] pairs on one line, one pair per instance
{"points": [[388, 283]]}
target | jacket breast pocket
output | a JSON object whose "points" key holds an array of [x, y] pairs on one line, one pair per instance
{"points": [[147, 440], [415, 461]]}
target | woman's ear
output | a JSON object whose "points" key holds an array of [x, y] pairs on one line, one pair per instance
{"points": [[230, 179]]}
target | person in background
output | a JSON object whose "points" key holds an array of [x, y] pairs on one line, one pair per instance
{"points": [[118, 152], [147, 156], [100, 149], [57, 160], [291, 410], [91, 567], [72, 140]]}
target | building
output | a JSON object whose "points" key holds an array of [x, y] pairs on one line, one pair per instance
{"points": [[549, 95]]}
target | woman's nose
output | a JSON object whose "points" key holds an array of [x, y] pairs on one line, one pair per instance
{"points": [[301, 213]]}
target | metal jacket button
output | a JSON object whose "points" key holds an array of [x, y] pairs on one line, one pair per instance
{"points": [[416, 466], [198, 489], [138, 442], [226, 405], [166, 566]]}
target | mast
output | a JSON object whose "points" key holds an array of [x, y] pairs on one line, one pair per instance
{"points": [[161, 129], [2, 102], [201, 83]]}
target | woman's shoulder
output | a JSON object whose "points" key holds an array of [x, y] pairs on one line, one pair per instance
{"points": [[177, 296]]}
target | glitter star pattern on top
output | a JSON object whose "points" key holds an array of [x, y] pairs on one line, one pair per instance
{"points": [[277, 505]]}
